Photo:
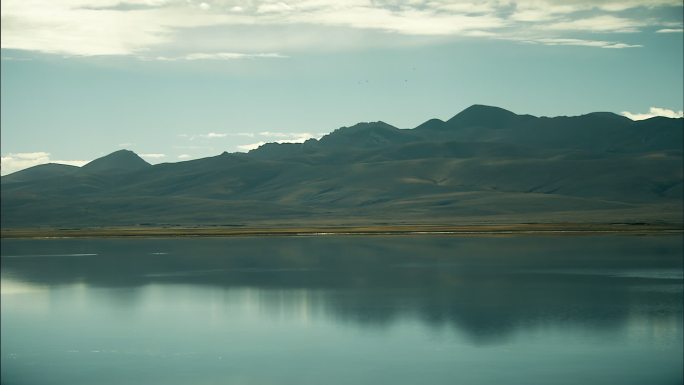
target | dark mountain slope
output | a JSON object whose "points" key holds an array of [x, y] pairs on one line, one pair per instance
{"points": [[42, 171], [599, 131], [485, 164]]}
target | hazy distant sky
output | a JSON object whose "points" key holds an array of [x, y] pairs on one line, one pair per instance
{"points": [[182, 79]]}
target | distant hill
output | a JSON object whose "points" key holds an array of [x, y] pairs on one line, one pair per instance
{"points": [[118, 161], [485, 164], [42, 171]]}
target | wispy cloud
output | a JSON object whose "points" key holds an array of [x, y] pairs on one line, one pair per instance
{"points": [[217, 56], [152, 30], [670, 30], [77, 163], [534, 12], [584, 43], [210, 135], [124, 5], [250, 146], [192, 147], [279, 137], [12, 58], [278, 134], [153, 156], [69, 27], [290, 137], [216, 135], [604, 23], [653, 112], [405, 20], [184, 156], [213, 135], [31, 155], [18, 161]]}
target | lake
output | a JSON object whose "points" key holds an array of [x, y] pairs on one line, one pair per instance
{"points": [[429, 309]]}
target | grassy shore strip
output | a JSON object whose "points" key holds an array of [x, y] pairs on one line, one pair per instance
{"points": [[479, 229]]}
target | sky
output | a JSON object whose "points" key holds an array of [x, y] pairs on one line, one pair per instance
{"points": [[175, 80]]}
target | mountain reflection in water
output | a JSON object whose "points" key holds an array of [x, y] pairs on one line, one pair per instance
{"points": [[489, 290]]}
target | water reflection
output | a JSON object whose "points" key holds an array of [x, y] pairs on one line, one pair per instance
{"points": [[487, 288], [340, 310]]}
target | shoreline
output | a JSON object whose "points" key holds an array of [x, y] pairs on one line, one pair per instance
{"points": [[385, 230]]}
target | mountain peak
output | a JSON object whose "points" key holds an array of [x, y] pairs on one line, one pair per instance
{"points": [[432, 124], [476, 108], [610, 116], [369, 126], [122, 160], [479, 114], [367, 134]]}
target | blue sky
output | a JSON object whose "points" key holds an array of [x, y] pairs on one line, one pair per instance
{"points": [[181, 79]]}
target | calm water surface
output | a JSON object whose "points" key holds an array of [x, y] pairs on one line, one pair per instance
{"points": [[343, 310]]}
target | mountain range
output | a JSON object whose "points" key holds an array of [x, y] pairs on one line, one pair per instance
{"points": [[484, 165]]}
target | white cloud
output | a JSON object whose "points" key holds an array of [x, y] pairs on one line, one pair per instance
{"points": [[533, 15], [275, 134], [653, 112], [32, 155], [464, 7], [584, 43], [63, 27], [623, 5], [621, 45], [12, 58], [184, 156], [100, 27], [290, 137], [273, 7], [565, 6], [250, 146], [77, 163], [18, 161], [213, 135], [605, 23], [192, 147], [479, 34], [282, 137], [217, 56], [406, 21], [153, 156], [670, 30], [152, 29], [539, 12], [231, 56]]}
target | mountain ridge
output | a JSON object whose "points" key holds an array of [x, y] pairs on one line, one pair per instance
{"points": [[488, 165], [114, 159]]}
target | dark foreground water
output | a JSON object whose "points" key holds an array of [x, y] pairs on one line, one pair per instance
{"points": [[343, 310]]}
